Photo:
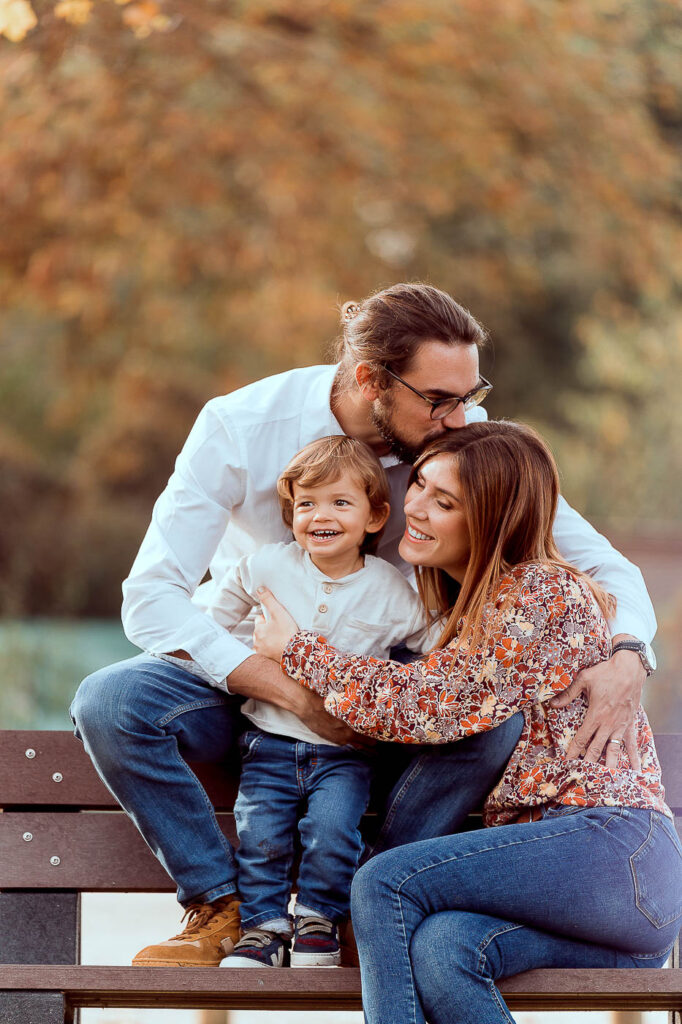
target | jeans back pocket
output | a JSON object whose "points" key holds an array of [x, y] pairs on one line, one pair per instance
{"points": [[657, 873]]}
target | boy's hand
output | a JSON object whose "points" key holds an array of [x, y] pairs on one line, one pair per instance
{"points": [[270, 637], [272, 631]]}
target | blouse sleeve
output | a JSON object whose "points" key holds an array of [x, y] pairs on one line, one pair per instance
{"points": [[540, 638]]}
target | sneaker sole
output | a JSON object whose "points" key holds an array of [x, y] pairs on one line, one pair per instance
{"points": [[245, 961], [315, 959]]}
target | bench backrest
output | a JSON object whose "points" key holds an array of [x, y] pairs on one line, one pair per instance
{"points": [[65, 830]]}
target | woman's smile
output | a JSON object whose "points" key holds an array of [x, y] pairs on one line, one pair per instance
{"points": [[413, 534]]}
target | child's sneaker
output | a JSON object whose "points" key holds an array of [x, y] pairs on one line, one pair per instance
{"points": [[316, 943], [259, 948]]}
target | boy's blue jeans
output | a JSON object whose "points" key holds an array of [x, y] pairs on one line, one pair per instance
{"points": [[143, 719], [438, 922], [318, 789]]}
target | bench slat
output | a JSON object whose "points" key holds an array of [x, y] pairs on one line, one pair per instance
{"points": [[26, 781], [312, 988], [98, 852], [29, 781]]}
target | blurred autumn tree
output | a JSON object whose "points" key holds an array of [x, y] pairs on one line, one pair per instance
{"points": [[189, 190]]}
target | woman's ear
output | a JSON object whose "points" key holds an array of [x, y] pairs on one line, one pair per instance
{"points": [[366, 380], [378, 517]]}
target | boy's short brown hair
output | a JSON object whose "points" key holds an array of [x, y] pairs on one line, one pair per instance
{"points": [[325, 460]]}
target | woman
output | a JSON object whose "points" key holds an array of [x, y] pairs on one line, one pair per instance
{"points": [[583, 866]]}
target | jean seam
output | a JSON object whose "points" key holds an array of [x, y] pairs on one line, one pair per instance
{"points": [[194, 705], [406, 948], [482, 959], [210, 808], [216, 892], [256, 920], [654, 956]]}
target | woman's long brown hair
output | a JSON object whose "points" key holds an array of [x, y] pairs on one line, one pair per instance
{"points": [[509, 490]]}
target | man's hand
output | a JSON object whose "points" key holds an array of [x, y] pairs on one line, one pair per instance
{"points": [[313, 715], [613, 689]]}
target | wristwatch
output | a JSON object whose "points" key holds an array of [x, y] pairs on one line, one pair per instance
{"points": [[645, 651]]}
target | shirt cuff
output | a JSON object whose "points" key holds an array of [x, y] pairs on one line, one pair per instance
{"points": [[627, 622], [219, 658]]}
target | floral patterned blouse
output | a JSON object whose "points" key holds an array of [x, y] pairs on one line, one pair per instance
{"points": [[546, 627]]}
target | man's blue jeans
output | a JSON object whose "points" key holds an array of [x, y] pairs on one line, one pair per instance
{"points": [[287, 786], [438, 922], [143, 719]]}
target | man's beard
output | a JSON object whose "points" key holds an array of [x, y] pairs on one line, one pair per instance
{"points": [[383, 423]]}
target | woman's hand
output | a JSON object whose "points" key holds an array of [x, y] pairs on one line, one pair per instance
{"points": [[272, 633]]}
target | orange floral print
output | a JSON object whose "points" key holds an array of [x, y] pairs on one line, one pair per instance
{"points": [[545, 628]]}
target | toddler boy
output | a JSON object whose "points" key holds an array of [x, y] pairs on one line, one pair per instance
{"points": [[334, 497]]}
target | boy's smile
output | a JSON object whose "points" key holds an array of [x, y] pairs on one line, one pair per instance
{"points": [[330, 521]]}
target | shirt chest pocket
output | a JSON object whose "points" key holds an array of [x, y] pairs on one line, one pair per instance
{"points": [[357, 636]]}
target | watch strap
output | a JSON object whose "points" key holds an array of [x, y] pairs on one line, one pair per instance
{"points": [[639, 647]]}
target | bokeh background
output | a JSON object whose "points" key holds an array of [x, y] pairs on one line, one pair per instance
{"points": [[190, 189]]}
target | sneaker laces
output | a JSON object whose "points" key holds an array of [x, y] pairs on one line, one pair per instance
{"points": [[257, 937], [198, 916]]}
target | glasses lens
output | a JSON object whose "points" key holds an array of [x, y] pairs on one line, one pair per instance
{"points": [[477, 397], [442, 409]]}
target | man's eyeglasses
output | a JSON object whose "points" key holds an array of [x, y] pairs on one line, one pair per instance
{"points": [[442, 407]]}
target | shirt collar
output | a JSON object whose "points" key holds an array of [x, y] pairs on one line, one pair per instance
{"points": [[321, 577], [319, 410]]}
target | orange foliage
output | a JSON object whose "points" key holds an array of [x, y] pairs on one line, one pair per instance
{"points": [[189, 189]]}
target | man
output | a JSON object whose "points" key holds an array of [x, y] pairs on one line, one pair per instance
{"points": [[408, 371]]}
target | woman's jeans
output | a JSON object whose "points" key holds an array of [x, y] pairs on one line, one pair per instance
{"points": [[143, 719], [438, 922], [318, 790]]}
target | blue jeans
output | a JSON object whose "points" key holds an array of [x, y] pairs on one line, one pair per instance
{"points": [[280, 776], [141, 720], [438, 922]]}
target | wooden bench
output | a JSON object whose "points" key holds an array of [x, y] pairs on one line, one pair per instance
{"points": [[53, 847]]}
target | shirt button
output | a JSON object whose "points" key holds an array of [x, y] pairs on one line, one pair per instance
{"points": [[322, 608], [327, 588]]}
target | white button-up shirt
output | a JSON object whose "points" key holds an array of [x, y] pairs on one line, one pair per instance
{"points": [[367, 612], [220, 504]]}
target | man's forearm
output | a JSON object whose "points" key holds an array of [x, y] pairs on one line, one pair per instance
{"points": [[263, 679]]}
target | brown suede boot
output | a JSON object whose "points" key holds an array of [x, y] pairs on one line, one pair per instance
{"points": [[211, 932]]}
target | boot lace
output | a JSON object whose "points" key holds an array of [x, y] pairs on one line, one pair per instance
{"points": [[198, 917]]}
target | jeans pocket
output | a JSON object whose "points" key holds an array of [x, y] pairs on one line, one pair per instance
{"points": [[657, 874], [560, 811], [249, 743]]}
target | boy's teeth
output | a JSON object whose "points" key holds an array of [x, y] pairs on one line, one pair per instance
{"points": [[325, 533]]}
